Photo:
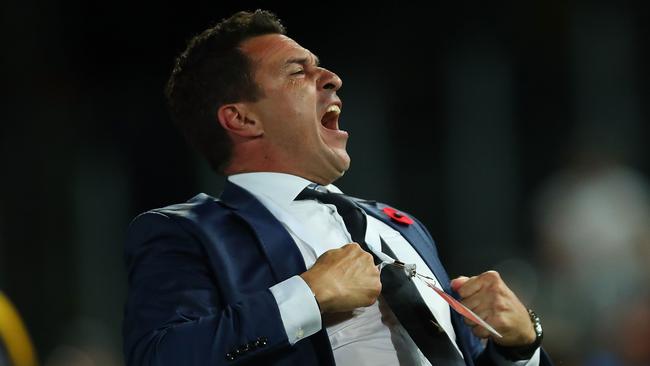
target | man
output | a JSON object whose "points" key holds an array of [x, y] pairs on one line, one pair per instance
{"points": [[262, 276]]}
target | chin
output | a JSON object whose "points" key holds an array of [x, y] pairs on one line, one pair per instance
{"points": [[331, 165], [340, 160], [345, 162], [342, 167], [332, 173]]}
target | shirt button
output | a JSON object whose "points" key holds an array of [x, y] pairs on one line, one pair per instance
{"points": [[300, 333]]}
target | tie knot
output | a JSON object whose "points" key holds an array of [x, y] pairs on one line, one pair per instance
{"points": [[313, 192], [343, 203], [352, 215]]}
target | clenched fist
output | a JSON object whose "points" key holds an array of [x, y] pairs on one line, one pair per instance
{"points": [[344, 279], [489, 297]]}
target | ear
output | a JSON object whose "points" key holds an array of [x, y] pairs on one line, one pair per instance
{"points": [[236, 118]]}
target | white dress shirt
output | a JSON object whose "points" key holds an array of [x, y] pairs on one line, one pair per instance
{"points": [[368, 335]]}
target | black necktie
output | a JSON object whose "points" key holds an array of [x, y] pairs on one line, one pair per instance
{"points": [[397, 288], [353, 216]]}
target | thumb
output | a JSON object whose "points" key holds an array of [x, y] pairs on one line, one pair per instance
{"points": [[458, 282]]}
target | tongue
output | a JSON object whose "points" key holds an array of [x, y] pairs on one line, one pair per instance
{"points": [[329, 121]]}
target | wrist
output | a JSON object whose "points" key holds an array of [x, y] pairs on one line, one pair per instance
{"points": [[319, 296], [526, 351]]}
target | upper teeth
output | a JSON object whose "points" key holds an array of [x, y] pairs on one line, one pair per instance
{"points": [[333, 108]]}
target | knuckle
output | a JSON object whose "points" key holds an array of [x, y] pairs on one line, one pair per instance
{"points": [[372, 297], [481, 333], [492, 275], [378, 288], [349, 247], [500, 305], [471, 304], [498, 321], [325, 256]]}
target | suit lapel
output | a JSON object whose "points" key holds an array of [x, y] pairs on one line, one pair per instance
{"points": [[425, 247], [462, 336], [415, 235], [278, 246]]}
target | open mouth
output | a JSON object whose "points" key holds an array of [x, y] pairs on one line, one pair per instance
{"points": [[330, 119]]}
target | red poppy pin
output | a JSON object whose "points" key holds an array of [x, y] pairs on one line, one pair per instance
{"points": [[397, 216]]}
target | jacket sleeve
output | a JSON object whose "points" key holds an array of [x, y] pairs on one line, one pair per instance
{"points": [[175, 314]]}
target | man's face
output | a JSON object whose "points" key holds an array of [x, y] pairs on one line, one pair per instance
{"points": [[299, 109]]}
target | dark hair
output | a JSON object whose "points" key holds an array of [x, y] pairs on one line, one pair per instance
{"points": [[213, 71]]}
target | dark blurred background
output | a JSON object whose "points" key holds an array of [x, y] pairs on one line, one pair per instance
{"points": [[517, 132]]}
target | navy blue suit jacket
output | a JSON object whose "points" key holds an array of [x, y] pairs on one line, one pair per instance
{"points": [[199, 278]]}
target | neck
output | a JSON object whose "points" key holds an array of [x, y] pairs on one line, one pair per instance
{"points": [[253, 157]]}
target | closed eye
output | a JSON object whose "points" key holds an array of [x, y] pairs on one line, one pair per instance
{"points": [[298, 72]]}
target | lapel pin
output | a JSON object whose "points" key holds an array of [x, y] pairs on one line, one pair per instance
{"points": [[397, 216]]}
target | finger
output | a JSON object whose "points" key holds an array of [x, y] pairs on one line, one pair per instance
{"points": [[482, 306], [473, 302], [373, 270], [367, 260], [480, 332], [470, 323], [352, 246], [489, 279], [470, 286], [457, 283], [484, 314]]}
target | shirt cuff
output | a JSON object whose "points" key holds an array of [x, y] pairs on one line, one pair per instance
{"points": [[298, 308], [502, 361]]}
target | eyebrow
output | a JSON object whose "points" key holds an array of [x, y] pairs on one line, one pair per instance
{"points": [[302, 61]]}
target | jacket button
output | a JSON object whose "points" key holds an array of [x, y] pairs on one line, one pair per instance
{"points": [[243, 348], [261, 341], [229, 357], [252, 345]]}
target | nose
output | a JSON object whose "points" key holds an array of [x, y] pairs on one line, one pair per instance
{"points": [[329, 80]]}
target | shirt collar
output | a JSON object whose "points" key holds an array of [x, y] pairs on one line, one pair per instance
{"points": [[280, 188]]}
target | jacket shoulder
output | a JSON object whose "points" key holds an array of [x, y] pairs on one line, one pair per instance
{"points": [[189, 217], [192, 209]]}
